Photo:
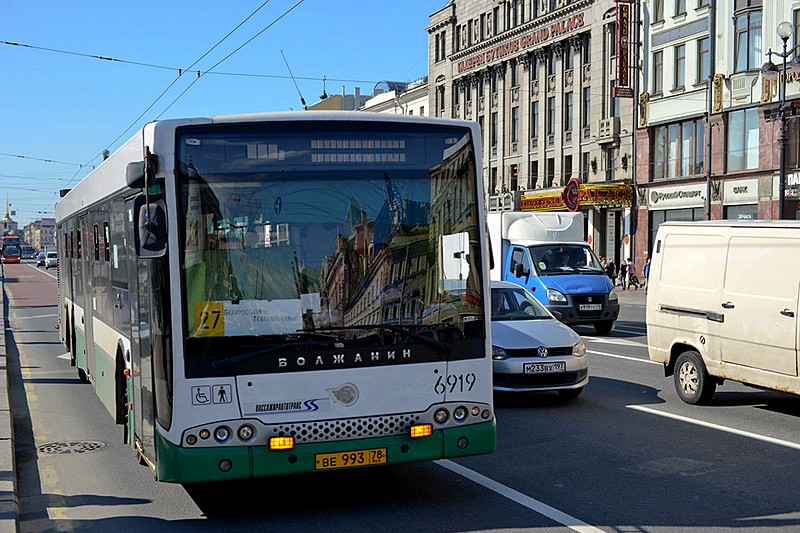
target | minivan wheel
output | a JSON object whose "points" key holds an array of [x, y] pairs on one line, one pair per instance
{"points": [[603, 327], [692, 382]]}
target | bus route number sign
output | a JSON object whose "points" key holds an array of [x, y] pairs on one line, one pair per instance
{"points": [[209, 319]]}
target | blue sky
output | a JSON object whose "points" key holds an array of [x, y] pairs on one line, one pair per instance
{"points": [[67, 108]]}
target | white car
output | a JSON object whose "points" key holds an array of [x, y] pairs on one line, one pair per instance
{"points": [[51, 260], [531, 349]]}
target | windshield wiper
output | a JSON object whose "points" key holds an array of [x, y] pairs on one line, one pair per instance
{"points": [[439, 345], [229, 361]]}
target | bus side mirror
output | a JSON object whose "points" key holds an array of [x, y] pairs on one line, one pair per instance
{"points": [[150, 223], [134, 175]]}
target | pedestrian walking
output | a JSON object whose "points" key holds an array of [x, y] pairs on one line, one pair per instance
{"points": [[646, 273], [633, 281], [623, 275], [611, 270]]}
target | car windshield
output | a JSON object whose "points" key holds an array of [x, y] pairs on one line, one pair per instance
{"points": [[556, 259], [516, 304]]}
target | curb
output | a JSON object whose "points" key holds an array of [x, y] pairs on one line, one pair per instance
{"points": [[9, 503]]}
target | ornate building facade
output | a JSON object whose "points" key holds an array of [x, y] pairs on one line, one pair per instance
{"points": [[540, 77]]}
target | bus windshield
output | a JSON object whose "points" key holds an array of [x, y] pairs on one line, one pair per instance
{"points": [[289, 228], [557, 259]]}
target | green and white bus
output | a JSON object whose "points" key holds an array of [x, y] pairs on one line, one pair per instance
{"points": [[267, 294]]}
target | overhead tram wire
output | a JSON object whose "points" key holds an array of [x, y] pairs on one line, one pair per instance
{"points": [[215, 65], [181, 71]]}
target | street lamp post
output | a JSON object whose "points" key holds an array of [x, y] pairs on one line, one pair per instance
{"points": [[770, 72]]}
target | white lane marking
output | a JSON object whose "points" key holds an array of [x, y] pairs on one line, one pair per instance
{"points": [[64, 356], [612, 340], [42, 271], [741, 433], [37, 316], [616, 356], [516, 496]]}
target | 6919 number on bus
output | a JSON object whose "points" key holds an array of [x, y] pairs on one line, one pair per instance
{"points": [[455, 383]]}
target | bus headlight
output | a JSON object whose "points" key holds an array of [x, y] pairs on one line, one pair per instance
{"points": [[579, 350], [441, 416], [499, 353], [221, 434], [460, 413], [246, 432], [555, 296]]}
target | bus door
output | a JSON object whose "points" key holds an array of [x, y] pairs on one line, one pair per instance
{"points": [[87, 301], [139, 294]]}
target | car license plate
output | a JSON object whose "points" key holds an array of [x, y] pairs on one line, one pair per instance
{"points": [[590, 307], [374, 456], [545, 368]]}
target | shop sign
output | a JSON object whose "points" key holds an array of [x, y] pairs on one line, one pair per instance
{"points": [[530, 39], [587, 194], [676, 197], [741, 192]]}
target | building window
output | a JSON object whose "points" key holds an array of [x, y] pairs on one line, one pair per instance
{"points": [[567, 168], [702, 3], [569, 57], [439, 100], [514, 74], [514, 175], [586, 53], [467, 92], [551, 172], [613, 102], [658, 11], [534, 120], [551, 115], [481, 127], [679, 150], [612, 158], [680, 7], [743, 139], [586, 107], [796, 20], [493, 181], [568, 112], [747, 47], [585, 167], [551, 63], [534, 175], [493, 130], [658, 72], [703, 60], [680, 66], [493, 81], [514, 124]]}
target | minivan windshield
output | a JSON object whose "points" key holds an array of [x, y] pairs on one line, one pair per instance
{"points": [[557, 259]]}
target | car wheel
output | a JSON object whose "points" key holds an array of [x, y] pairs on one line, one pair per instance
{"points": [[570, 393], [692, 382], [603, 327]]}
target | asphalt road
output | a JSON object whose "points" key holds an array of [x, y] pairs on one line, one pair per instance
{"points": [[626, 456]]}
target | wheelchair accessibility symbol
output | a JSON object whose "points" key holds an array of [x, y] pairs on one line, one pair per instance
{"points": [[201, 395]]}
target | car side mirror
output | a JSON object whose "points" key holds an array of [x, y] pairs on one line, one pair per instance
{"points": [[556, 314]]}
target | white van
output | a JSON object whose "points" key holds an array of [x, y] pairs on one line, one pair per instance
{"points": [[722, 304]]}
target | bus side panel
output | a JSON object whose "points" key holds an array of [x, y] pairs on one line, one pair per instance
{"points": [[80, 338], [105, 347]]}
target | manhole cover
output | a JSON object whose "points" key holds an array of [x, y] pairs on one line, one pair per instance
{"points": [[77, 446]]}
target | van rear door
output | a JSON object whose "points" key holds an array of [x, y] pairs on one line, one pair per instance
{"points": [[760, 303]]}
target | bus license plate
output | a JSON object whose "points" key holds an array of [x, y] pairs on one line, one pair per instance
{"points": [[374, 456], [590, 307], [545, 368]]}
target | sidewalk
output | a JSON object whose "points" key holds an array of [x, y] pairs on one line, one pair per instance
{"points": [[9, 505]]}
